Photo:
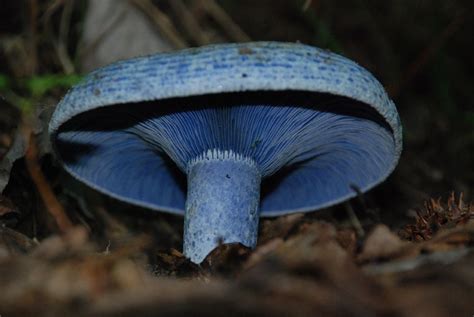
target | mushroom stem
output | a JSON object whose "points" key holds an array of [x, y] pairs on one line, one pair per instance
{"points": [[222, 204]]}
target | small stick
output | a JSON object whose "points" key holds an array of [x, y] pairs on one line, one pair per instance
{"points": [[61, 45], [33, 15], [354, 220], [52, 204], [426, 55], [189, 22], [306, 5], [225, 21], [163, 22]]}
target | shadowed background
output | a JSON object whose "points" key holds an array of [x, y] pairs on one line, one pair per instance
{"points": [[420, 50]]}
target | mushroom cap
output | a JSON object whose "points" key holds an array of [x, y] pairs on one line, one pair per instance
{"points": [[258, 73]]}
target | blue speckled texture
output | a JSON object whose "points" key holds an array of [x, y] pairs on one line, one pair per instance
{"points": [[228, 68], [221, 206]]}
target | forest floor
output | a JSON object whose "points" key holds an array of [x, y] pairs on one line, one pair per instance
{"points": [[403, 249]]}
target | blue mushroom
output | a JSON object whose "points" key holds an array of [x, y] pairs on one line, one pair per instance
{"points": [[227, 133]]}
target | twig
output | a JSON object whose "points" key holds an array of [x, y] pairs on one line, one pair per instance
{"points": [[61, 46], [112, 225], [137, 245], [52, 204], [306, 5], [165, 25], [189, 22], [426, 55], [33, 35], [55, 5], [354, 220], [225, 21]]}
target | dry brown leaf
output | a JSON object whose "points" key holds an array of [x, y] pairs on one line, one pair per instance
{"points": [[7, 206], [174, 263], [382, 244], [347, 238], [14, 243], [226, 258], [262, 252], [448, 239], [75, 241], [279, 227]]}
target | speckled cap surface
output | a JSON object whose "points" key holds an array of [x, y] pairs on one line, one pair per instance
{"points": [[228, 68]]}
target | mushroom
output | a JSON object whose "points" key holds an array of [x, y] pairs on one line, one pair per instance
{"points": [[227, 133]]}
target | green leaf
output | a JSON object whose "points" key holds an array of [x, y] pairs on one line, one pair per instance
{"points": [[4, 82], [40, 85]]}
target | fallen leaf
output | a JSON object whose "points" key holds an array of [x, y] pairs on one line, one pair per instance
{"points": [[75, 241], [14, 243], [6, 206], [382, 244], [226, 258], [347, 238], [279, 227], [16, 151]]}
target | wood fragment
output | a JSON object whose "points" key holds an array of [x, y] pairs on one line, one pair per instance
{"points": [[189, 22], [163, 22], [232, 29], [354, 220], [62, 43], [33, 34], [53, 206], [426, 55]]}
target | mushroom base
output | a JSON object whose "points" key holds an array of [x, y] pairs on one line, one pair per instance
{"points": [[222, 203]]}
